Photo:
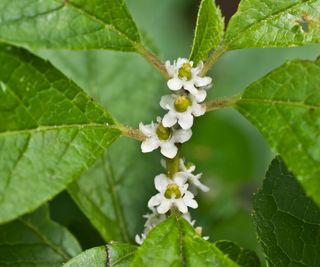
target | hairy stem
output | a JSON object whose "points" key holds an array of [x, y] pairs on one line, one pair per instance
{"points": [[153, 60], [220, 103], [213, 58], [130, 132]]}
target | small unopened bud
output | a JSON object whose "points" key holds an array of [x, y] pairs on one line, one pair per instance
{"points": [[189, 165], [185, 71], [162, 132], [182, 103], [172, 191], [198, 230]]}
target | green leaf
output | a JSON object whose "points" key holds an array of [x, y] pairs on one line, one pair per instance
{"points": [[50, 132], [68, 24], [263, 23], [287, 221], [35, 240], [243, 257], [113, 255], [209, 30], [109, 194], [175, 243], [285, 107]]}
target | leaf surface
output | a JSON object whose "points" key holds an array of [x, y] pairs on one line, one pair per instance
{"points": [[287, 221], [209, 30], [175, 243], [243, 257], [110, 192], [35, 240], [68, 24], [50, 132], [265, 23], [285, 106], [113, 255]]}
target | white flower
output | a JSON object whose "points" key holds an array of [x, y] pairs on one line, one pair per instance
{"points": [[153, 219], [172, 192], [183, 76], [159, 136], [181, 109], [192, 179]]}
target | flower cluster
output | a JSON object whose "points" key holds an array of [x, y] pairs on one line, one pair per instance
{"points": [[175, 127], [175, 190]]}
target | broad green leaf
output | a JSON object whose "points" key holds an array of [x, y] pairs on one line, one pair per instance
{"points": [[285, 107], [35, 240], [109, 194], [113, 255], [50, 132], [175, 243], [287, 221], [265, 23], [243, 257], [209, 30], [68, 24]]}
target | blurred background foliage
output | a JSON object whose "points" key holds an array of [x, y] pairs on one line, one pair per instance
{"points": [[231, 153]]}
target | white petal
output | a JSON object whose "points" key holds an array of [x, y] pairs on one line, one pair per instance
{"points": [[155, 200], [169, 119], [198, 68], [160, 182], [167, 101], [168, 149], [138, 239], [180, 178], [164, 206], [189, 86], [198, 109], [200, 95], [147, 130], [170, 68], [181, 136], [186, 121], [175, 84], [181, 205], [149, 145], [195, 180], [189, 201], [182, 61], [202, 81], [203, 187]]}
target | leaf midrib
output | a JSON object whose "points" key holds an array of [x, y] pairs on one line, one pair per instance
{"points": [[46, 241], [58, 127], [267, 18], [277, 102]]}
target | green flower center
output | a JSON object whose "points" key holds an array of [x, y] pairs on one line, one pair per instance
{"points": [[185, 71], [162, 132], [172, 191], [182, 103]]}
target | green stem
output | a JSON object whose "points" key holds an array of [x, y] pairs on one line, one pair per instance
{"points": [[153, 60], [173, 165], [213, 58], [221, 103]]}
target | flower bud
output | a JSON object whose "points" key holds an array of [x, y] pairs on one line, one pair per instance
{"points": [[185, 71], [162, 132], [172, 191], [189, 165], [182, 103]]}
